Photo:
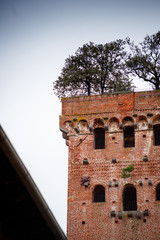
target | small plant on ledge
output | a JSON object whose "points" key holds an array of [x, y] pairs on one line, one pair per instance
{"points": [[126, 171]]}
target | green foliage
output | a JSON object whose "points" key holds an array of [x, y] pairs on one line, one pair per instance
{"points": [[96, 69], [109, 62], [144, 60], [106, 68], [77, 75], [126, 171]]}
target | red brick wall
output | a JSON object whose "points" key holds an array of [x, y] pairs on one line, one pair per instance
{"points": [[144, 110]]}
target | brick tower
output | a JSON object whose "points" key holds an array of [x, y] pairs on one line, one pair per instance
{"points": [[114, 166]]}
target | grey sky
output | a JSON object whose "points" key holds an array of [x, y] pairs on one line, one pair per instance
{"points": [[35, 39]]}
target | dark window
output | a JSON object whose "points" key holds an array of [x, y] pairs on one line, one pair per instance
{"points": [[99, 194], [99, 138], [129, 140], [158, 192], [129, 199], [156, 132]]}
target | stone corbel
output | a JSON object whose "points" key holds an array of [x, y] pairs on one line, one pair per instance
{"points": [[77, 129], [65, 133]]}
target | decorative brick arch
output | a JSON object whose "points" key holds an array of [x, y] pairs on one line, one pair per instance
{"points": [[98, 123], [128, 121], [83, 126], [142, 122], [113, 124], [69, 126], [156, 119]]}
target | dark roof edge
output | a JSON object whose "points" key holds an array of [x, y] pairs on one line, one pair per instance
{"points": [[26, 178]]}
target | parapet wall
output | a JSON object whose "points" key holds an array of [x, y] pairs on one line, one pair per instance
{"points": [[111, 103]]}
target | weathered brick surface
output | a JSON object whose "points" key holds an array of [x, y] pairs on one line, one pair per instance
{"points": [[82, 112]]}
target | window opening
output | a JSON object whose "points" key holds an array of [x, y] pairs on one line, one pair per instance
{"points": [[156, 133], [99, 138], [129, 140], [158, 192], [129, 199], [99, 194]]}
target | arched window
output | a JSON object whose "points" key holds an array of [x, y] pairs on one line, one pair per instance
{"points": [[129, 198], [158, 192], [99, 194], [99, 138], [128, 133], [156, 134]]}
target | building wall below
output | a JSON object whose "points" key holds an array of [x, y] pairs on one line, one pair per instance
{"points": [[90, 220]]}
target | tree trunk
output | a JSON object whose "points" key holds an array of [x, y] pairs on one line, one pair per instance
{"points": [[157, 85], [157, 81], [102, 85], [88, 83]]}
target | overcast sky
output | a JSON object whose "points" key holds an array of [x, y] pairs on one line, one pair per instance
{"points": [[36, 36]]}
